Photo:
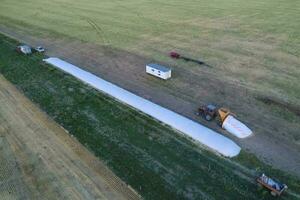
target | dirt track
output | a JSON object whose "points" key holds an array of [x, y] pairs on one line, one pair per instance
{"points": [[40, 160]]}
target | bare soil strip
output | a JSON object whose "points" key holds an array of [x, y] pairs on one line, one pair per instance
{"points": [[40, 160]]}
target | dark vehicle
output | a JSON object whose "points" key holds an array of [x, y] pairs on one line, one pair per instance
{"points": [[208, 112]]}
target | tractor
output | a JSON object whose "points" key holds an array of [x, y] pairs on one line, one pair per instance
{"points": [[210, 112]]}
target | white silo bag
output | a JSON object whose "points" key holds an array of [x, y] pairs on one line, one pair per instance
{"points": [[235, 127]]}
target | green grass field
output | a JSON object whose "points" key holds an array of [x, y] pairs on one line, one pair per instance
{"points": [[253, 43], [156, 161]]}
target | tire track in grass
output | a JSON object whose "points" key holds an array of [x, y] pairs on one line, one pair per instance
{"points": [[99, 31]]}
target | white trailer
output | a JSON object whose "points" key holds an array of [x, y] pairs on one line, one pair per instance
{"points": [[158, 71]]}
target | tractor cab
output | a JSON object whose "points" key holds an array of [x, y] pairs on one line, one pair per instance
{"points": [[208, 112]]}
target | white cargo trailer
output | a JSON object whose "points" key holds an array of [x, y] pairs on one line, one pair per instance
{"points": [[158, 71]]}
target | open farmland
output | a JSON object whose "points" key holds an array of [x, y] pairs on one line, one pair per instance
{"points": [[253, 47], [39, 159], [155, 160], [254, 43]]}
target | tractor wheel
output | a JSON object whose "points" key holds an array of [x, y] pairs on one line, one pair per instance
{"points": [[219, 121], [208, 117], [273, 193]]}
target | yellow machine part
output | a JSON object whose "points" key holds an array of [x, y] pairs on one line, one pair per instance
{"points": [[223, 114]]}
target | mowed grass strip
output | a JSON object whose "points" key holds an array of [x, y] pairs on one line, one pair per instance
{"points": [[155, 160]]}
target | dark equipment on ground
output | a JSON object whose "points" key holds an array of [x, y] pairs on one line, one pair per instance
{"points": [[176, 55], [208, 112], [225, 119], [274, 186]]}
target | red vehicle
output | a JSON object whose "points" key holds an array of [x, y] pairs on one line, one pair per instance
{"points": [[175, 55]]}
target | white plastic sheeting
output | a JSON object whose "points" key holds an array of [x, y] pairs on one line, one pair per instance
{"points": [[208, 137], [235, 127]]}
